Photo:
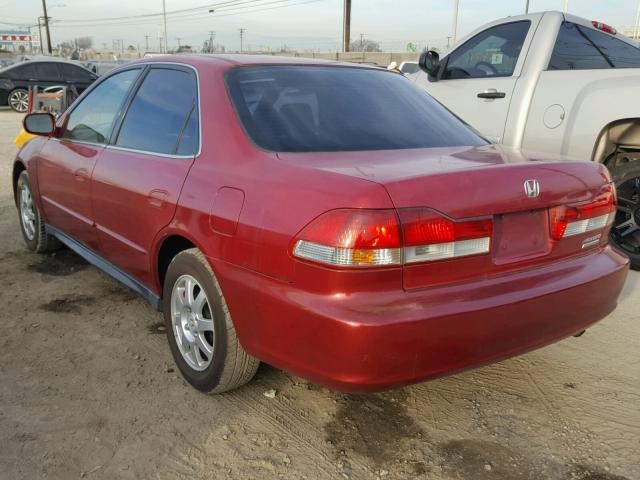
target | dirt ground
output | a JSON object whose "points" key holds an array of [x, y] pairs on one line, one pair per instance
{"points": [[88, 389]]}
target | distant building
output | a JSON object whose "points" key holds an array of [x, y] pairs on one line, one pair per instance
{"points": [[12, 40]]}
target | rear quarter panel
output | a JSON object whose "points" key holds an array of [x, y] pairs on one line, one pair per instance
{"points": [[590, 99], [280, 198]]}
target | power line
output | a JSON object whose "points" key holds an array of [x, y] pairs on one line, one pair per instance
{"points": [[200, 17], [204, 8]]}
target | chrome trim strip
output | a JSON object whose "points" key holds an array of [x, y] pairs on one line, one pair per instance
{"points": [[145, 152]]}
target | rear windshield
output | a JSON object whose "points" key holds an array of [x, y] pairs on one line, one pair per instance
{"points": [[327, 109]]}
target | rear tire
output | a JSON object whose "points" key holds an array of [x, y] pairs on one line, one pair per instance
{"points": [[625, 233], [31, 224], [200, 331], [18, 100]]}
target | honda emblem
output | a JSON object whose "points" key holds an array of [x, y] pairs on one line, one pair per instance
{"points": [[531, 188]]}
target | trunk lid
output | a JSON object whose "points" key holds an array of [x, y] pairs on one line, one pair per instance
{"points": [[471, 182], [465, 181]]}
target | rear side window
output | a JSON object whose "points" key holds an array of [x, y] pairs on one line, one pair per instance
{"points": [[47, 71], [160, 114], [92, 120], [581, 48], [491, 53], [74, 73], [315, 108]]}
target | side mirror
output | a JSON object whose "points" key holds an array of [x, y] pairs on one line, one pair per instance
{"points": [[429, 62], [40, 123]]}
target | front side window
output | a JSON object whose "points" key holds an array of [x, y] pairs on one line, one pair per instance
{"points": [[491, 53], [583, 48], [93, 119], [23, 72], [160, 116], [315, 108]]}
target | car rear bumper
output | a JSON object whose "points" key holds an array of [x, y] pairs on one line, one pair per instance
{"points": [[373, 341]]}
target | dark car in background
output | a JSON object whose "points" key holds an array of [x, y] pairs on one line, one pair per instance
{"points": [[15, 80]]}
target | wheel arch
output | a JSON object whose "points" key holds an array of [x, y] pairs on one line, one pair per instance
{"points": [[18, 168], [169, 242], [618, 133]]}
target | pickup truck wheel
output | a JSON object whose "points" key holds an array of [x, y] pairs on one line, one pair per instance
{"points": [[625, 233], [199, 328], [31, 224]]}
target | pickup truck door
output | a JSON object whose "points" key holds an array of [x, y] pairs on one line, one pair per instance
{"points": [[477, 79]]}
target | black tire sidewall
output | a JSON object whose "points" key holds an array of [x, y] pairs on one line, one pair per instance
{"points": [[620, 175], [32, 245], [185, 263]]}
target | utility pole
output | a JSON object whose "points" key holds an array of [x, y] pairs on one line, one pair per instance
{"points": [[448, 41], [164, 14], [212, 35], [526, 8], [46, 26], [455, 19], [146, 42], [362, 42], [40, 36], [346, 28], [635, 35], [241, 30], [179, 38]]}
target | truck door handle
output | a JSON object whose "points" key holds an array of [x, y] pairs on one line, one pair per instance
{"points": [[491, 93]]}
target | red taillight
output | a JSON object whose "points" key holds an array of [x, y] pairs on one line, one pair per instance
{"points": [[569, 220], [351, 238], [429, 236], [425, 227], [371, 238], [604, 27]]}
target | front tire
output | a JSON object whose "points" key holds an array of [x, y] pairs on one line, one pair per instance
{"points": [[19, 100], [33, 228], [199, 328], [625, 233]]}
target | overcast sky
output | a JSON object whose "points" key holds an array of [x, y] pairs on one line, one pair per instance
{"points": [[300, 24]]}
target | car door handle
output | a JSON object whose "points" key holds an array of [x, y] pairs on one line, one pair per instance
{"points": [[156, 198], [491, 93], [81, 175]]}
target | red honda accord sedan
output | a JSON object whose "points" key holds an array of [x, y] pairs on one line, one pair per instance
{"points": [[329, 219]]}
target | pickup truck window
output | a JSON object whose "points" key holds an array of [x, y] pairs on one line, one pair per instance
{"points": [[491, 53], [582, 48]]}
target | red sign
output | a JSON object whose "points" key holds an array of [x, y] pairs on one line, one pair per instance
{"points": [[15, 38]]}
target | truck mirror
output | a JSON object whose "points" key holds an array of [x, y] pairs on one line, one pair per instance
{"points": [[429, 62]]}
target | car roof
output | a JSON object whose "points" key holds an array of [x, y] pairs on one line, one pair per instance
{"points": [[44, 60], [234, 60]]}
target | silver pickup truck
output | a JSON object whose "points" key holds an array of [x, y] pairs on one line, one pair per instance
{"points": [[554, 83]]}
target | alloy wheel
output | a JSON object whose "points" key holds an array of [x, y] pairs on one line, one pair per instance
{"points": [[626, 227], [192, 322], [27, 212], [19, 100]]}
